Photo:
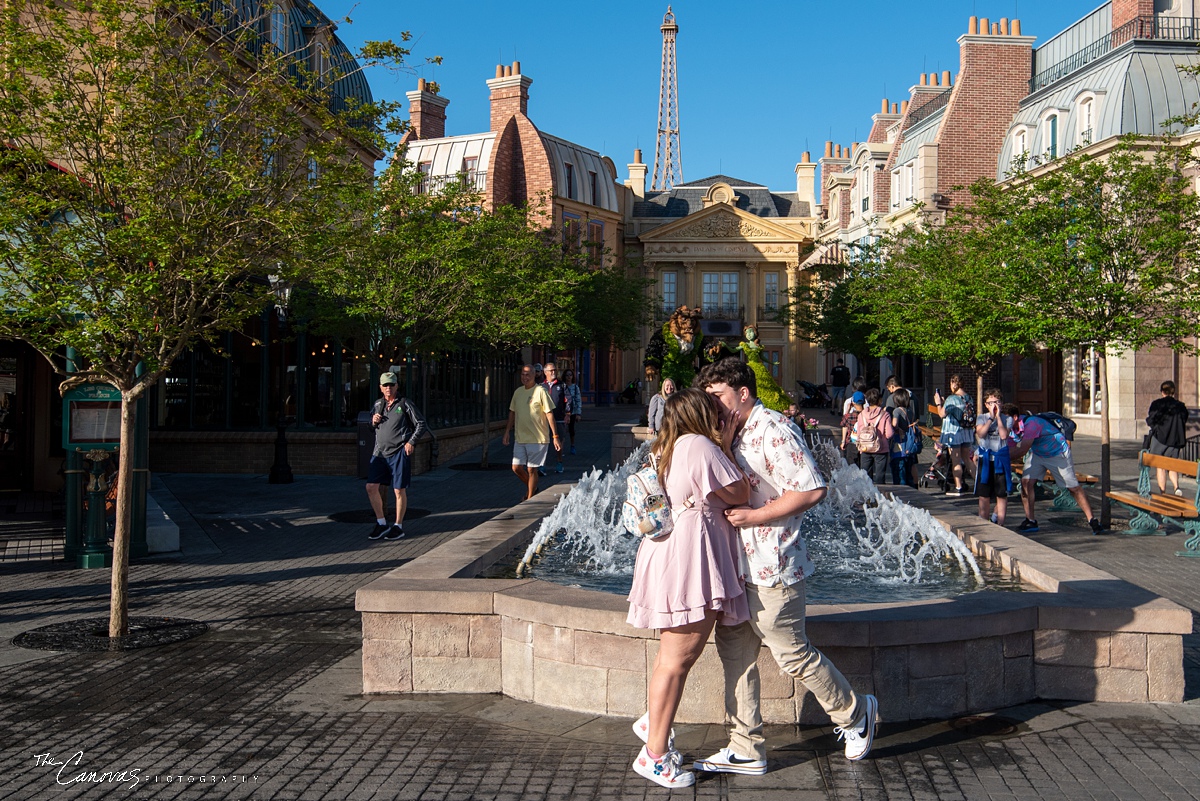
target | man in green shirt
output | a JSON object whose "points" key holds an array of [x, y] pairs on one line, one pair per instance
{"points": [[532, 413]]}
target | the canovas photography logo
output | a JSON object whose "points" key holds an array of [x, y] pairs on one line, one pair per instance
{"points": [[73, 769]]}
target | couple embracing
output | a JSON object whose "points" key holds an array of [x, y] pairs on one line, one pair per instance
{"points": [[738, 477]]}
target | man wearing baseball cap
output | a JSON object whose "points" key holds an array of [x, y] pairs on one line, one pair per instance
{"points": [[398, 425]]}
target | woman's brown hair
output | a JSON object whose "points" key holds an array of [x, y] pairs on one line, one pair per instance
{"points": [[687, 411]]}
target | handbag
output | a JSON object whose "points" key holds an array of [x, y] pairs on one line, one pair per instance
{"points": [[646, 511]]}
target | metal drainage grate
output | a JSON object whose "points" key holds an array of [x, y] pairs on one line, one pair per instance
{"points": [[91, 634]]}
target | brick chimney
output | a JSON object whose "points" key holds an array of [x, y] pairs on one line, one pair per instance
{"points": [[510, 94], [833, 162], [995, 70], [1124, 11], [426, 112]]}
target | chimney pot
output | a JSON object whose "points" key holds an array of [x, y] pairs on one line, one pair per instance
{"points": [[884, 109], [973, 26], [933, 79], [995, 29], [903, 106], [828, 149], [1004, 26], [837, 151], [420, 84], [1016, 27], [850, 152], [895, 108], [516, 68], [946, 78], [637, 156], [805, 157], [984, 26], [923, 79], [499, 70]]}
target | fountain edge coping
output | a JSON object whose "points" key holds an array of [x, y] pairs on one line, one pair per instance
{"points": [[1075, 595]]}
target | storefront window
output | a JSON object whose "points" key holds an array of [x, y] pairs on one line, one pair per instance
{"points": [[245, 376]]}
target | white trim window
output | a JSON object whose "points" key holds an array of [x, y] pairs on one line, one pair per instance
{"points": [[1020, 143], [1086, 120], [669, 290], [1050, 136], [277, 27], [895, 203]]}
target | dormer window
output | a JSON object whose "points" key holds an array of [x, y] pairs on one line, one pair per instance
{"points": [[1086, 120], [570, 180], [1020, 143], [277, 24], [1050, 137]]}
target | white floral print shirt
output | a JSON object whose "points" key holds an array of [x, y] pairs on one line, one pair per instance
{"points": [[774, 455]]}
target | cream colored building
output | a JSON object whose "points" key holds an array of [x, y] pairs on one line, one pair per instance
{"points": [[733, 249]]}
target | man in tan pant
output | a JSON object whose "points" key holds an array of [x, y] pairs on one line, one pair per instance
{"points": [[784, 483]]}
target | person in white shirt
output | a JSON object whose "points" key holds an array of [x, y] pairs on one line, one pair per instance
{"points": [[784, 483]]}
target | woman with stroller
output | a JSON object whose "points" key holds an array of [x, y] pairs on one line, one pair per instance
{"points": [[956, 436], [691, 580]]}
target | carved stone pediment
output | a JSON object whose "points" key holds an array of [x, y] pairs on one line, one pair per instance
{"points": [[722, 226]]}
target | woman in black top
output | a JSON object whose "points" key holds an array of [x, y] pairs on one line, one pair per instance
{"points": [[1168, 431]]}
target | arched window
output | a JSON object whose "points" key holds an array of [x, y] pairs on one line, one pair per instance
{"points": [[278, 27], [1020, 143], [1050, 137], [1086, 119]]}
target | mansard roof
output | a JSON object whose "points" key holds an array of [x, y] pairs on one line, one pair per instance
{"points": [[752, 198]]}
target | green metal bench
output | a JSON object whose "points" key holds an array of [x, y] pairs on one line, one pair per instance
{"points": [[1149, 508]]}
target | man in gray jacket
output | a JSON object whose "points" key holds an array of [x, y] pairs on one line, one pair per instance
{"points": [[398, 425]]}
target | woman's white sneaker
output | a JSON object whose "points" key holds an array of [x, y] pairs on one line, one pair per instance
{"points": [[860, 737], [725, 761], [665, 770], [641, 727]]}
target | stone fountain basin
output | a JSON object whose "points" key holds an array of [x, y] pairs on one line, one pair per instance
{"points": [[1079, 633]]}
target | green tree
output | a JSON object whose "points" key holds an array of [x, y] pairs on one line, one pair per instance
{"points": [[942, 292], [1103, 250], [823, 309], [162, 164]]}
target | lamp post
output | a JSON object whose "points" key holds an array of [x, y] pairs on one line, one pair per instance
{"points": [[281, 471], [96, 552]]}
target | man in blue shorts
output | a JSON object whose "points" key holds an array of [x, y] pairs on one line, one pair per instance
{"points": [[1045, 448], [398, 425]]}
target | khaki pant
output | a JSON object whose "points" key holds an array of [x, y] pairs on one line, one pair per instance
{"points": [[776, 620]]}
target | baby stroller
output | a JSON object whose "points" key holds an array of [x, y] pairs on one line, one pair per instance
{"points": [[815, 395], [939, 471]]}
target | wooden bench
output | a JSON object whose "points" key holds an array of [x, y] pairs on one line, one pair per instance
{"points": [[1063, 500], [1145, 503]]}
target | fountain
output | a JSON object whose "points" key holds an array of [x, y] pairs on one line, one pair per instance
{"points": [[868, 546], [1076, 632]]}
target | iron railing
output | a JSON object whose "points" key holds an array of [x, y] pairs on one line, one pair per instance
{"points": [[1166, 29], [769, 314], [474, 180], [722, 312], [936, 104]]}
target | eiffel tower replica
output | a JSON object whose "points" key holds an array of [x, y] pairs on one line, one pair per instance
{"points": [[668, 165]]}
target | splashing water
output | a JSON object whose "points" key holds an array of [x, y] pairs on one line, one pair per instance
{"points": [[867, 546]]}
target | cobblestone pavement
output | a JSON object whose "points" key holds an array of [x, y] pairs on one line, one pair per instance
{"points": [[268, 704]]}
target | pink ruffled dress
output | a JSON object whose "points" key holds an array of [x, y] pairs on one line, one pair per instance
{"points": [[695, 568]]}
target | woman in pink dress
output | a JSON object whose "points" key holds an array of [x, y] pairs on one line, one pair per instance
{"points": [[691, 580]]}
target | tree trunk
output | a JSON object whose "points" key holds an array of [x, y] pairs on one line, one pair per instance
{"points": [[1105, 446], [487, 408], [118, 618], [978, 390]]}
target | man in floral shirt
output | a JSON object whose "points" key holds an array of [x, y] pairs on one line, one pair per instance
{"points": [[784, 483]]}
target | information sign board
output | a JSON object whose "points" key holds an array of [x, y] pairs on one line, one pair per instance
{"points": [[92, 417]]}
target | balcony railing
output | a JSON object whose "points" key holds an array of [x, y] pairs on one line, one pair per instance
{"points": [[1164, 29], [769, 314], [929, 108], [722, 312], [474, 181]]}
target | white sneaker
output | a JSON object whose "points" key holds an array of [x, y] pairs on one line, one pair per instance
{"points": [[665, 770], [725, 761], [641, 727], [859, 739]]}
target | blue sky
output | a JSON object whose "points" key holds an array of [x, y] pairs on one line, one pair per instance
{"points": [[759, 83]]}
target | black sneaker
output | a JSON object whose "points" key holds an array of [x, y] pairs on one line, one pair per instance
{"points": [[1027, 526], [1096, 527], [379, 530], [396, 532]]}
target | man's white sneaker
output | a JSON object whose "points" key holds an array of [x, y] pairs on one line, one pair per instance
{"points": [[862, 735], [725, 761], [641, 727], [665, 770]]}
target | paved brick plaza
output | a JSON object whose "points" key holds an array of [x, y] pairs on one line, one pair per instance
{"points": [[268, 702]]}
